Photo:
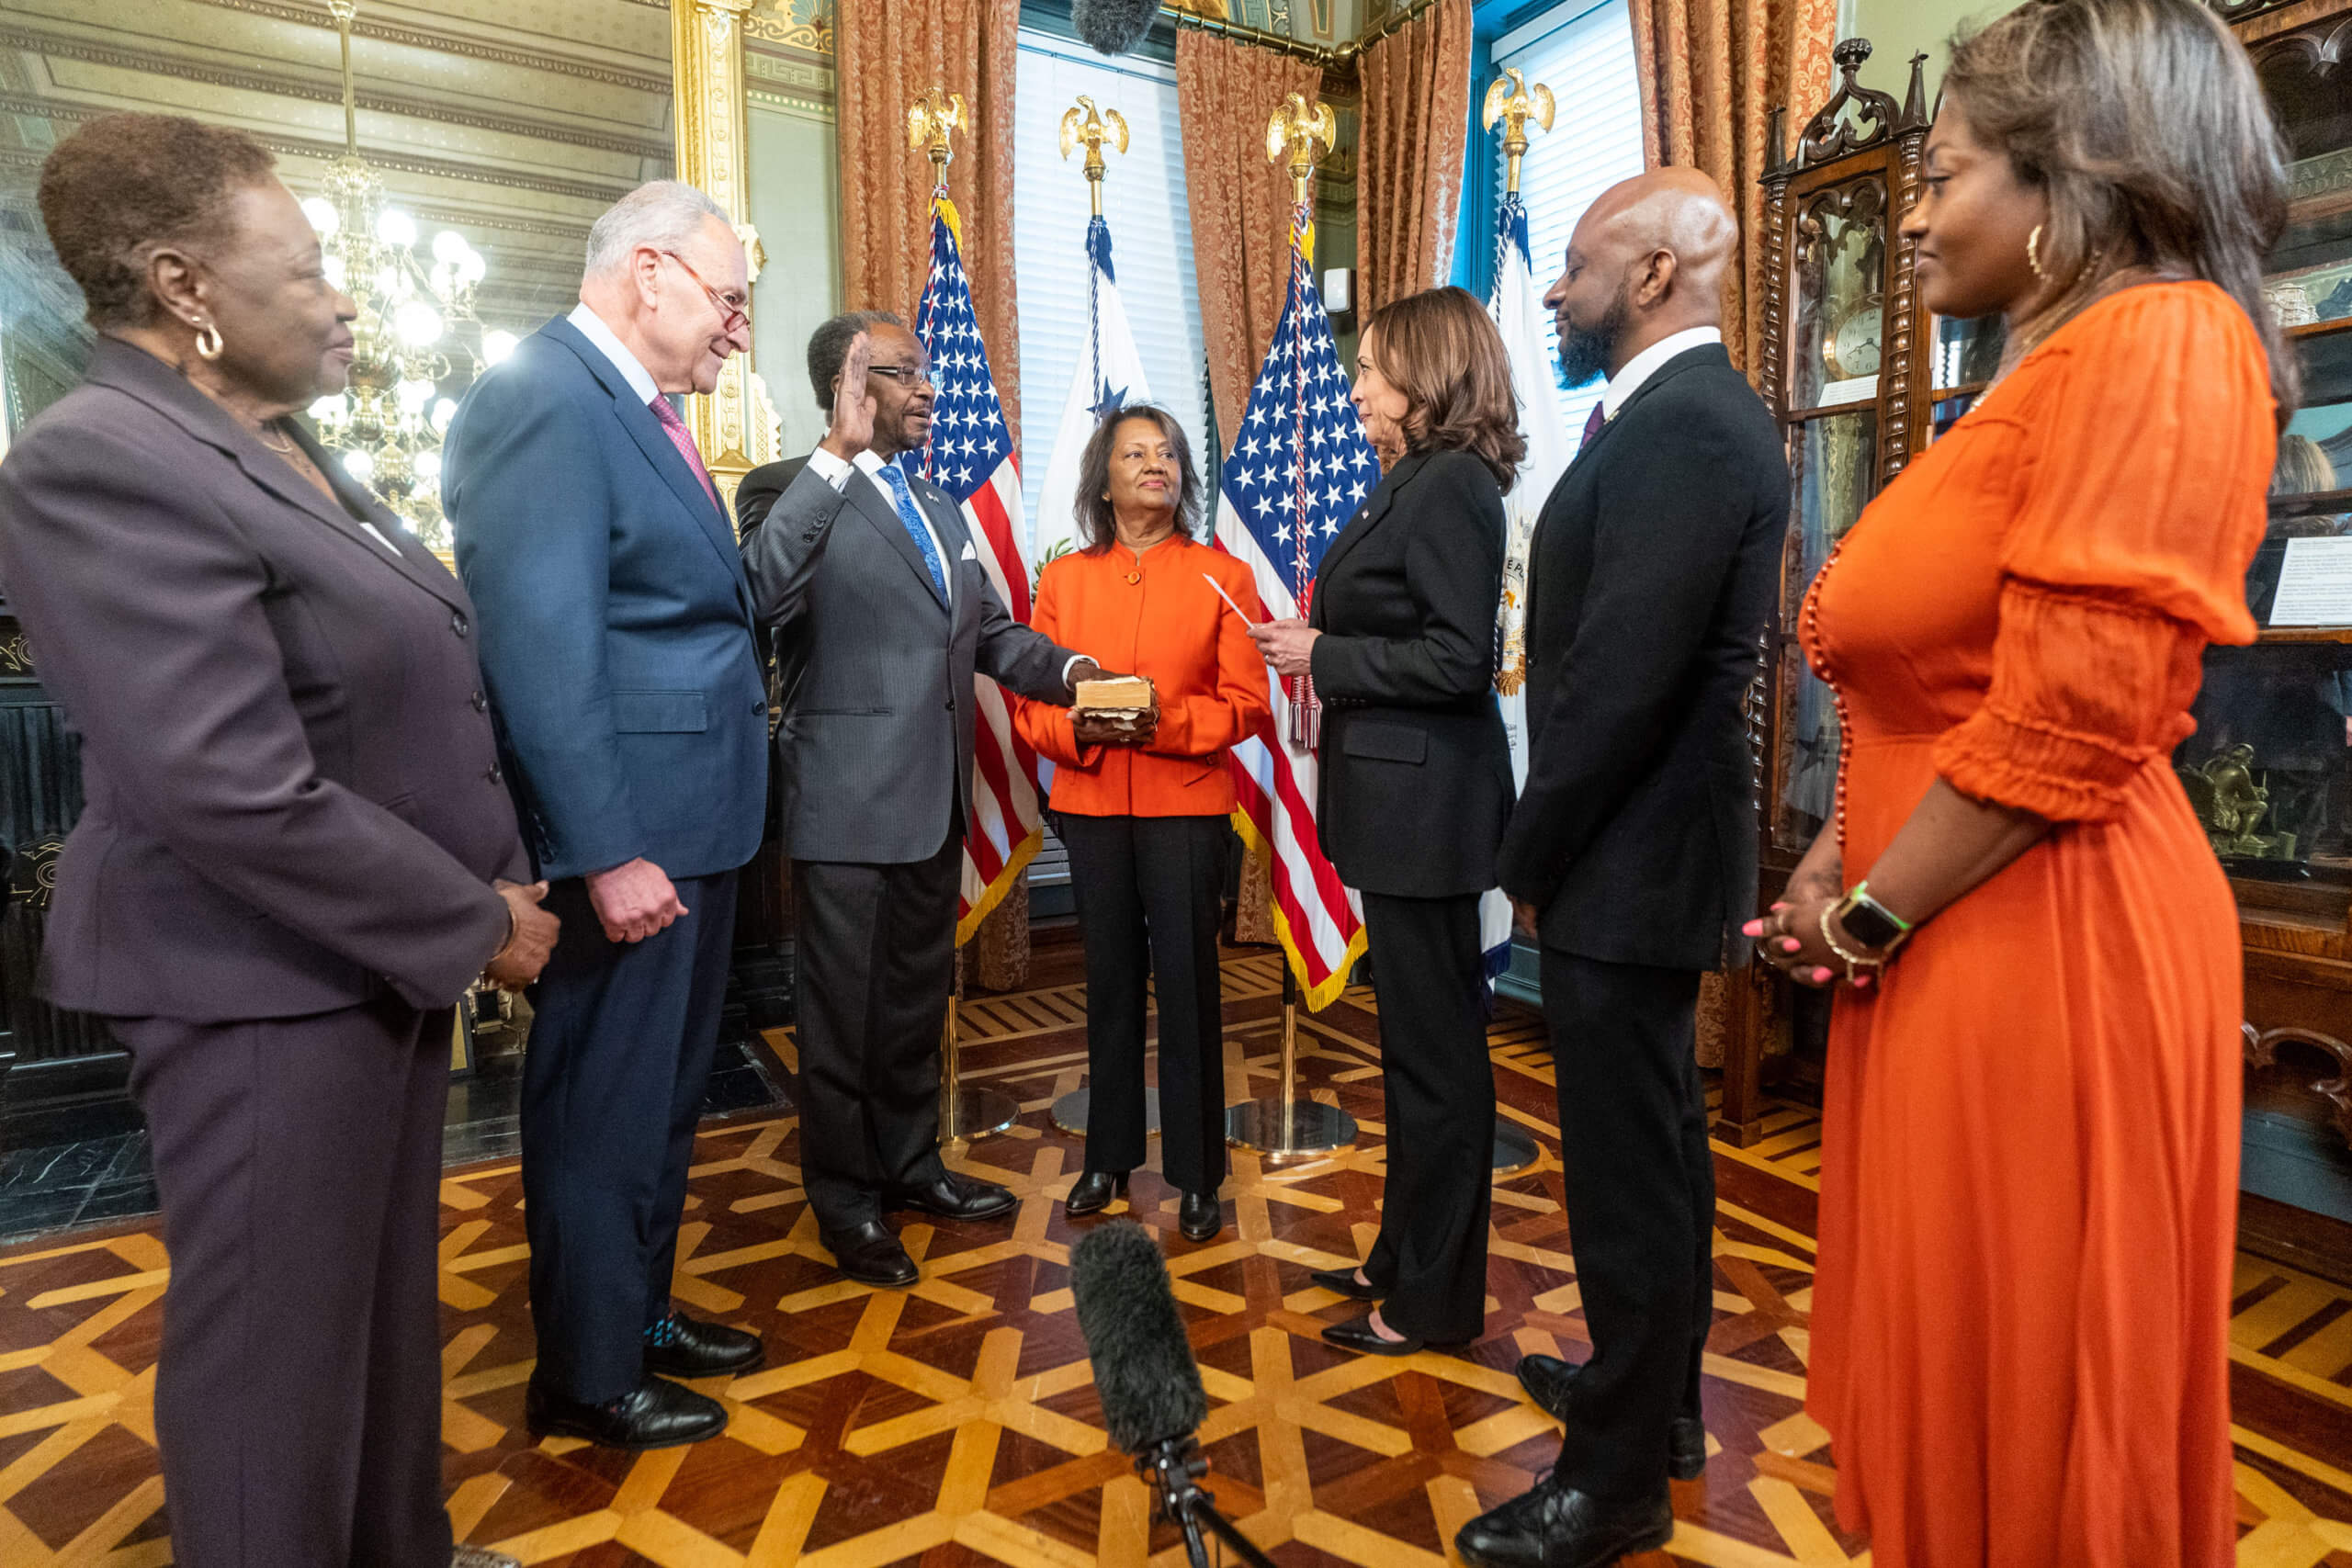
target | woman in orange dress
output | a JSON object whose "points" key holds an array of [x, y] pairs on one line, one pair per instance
{"points": [[2030, 1122]]}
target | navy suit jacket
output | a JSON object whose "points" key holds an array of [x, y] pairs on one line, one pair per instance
{"points": [[615, 620]]}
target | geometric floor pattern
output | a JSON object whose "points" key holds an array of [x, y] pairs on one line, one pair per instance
{"points": [[955, 1423]]}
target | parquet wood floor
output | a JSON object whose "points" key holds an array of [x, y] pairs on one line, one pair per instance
{"points": [[955, 1423]]}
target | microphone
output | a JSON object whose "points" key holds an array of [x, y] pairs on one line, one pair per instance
{"points": [[1148, 1383], [1144, 1369], [1113, 26]]}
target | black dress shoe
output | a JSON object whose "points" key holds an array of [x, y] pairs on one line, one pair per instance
{"points": [[1200, 1216], [680, 1347], [656, 1414], [1546, 1381], [1343, 1281], [1093, 1190], [1357, 1334], [951, 1197], [1558, 1527], [870, 1254]]}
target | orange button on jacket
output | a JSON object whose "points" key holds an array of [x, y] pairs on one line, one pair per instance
{"points": [[1161, 619]]}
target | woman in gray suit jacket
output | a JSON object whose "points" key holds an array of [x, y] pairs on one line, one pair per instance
{"points": [[295, 854]]}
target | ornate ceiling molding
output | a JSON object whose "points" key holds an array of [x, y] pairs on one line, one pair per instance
{"points": [[603, 193], [468, 49], [66, 46]]}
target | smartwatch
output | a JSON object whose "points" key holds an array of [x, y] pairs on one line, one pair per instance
{"points": [[1870, 922]]}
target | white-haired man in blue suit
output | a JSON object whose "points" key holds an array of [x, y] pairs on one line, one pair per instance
{"points": [[616, 651]]}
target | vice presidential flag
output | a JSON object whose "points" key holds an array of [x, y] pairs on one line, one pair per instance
{"points": [[1526, 326], [971, 456], [1299, 469], [1109, 378]]}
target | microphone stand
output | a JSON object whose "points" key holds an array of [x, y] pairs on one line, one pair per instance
{"points": [[1172, 1468]]}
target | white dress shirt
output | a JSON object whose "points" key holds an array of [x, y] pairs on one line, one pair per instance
{"points": [[592, 327], [1647, 363], [835, 473]]}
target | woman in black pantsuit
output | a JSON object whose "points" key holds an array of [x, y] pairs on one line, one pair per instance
{"points": [[1416, 787]]}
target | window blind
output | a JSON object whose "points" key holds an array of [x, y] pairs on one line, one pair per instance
{"points": [[1585, 54], [1151, 241]]}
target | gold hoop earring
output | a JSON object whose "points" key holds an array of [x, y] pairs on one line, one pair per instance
{"points": [[208, 341], [2033, 253]]}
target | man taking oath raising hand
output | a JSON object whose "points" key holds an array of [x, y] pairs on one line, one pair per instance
{"points": [[882, 613]]}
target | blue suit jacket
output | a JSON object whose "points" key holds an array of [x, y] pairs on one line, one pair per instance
{"points": [[615, 621]]}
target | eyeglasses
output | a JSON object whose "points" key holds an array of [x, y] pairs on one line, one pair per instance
{"points": [[732, 317], [904, 375]]}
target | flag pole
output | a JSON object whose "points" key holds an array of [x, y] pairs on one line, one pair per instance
{"points": [[965, 1112], [1514, 101], [1085, 125], [1287, 1127]]}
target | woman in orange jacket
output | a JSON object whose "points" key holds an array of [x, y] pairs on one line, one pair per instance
{"points": [[1141, 803]]}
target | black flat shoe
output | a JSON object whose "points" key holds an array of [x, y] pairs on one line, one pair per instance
{"points": [[681, 1346], [951, 1197], [1558, 1527], [1546, 1381], [656, 1414], [1356, 1335], [870, 1254], [1093, 1191], [1200, 1216], [1343, 1283]]}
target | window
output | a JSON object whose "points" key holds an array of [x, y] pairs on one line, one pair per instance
{"points": [[1151, 241], [1585, 54]]}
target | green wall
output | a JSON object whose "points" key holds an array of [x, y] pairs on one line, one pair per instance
{"points": [[1899, 28]]}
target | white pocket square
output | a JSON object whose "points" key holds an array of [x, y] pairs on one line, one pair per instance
{"points": [[970, 553]]}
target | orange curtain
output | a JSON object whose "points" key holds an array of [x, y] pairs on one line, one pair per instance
{"points": [[888, 55], [1240, 203], [1711, 74], [1416, 118]]}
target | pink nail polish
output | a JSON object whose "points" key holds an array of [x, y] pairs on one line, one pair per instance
{"points": [[1821, 976], [1753, 928], [1791, 944]]}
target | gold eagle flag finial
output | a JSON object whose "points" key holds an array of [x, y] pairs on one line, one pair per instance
{"points": [[929, 121], [1514, 102], [1293, 132], [1091, 130]]}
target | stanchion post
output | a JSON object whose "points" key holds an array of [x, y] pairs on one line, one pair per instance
{"points": [[1287, 1127]]}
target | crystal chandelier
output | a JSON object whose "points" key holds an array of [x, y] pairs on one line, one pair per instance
{"points": [[418, 344]]}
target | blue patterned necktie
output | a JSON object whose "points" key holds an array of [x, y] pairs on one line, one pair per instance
{"points": [[905, 497]]}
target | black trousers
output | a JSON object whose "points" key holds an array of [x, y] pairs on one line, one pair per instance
{"points": [[876, 962], [298, 1400], [1147, 892], [612, 1088], [1640, 1201], [1438, 1084]]}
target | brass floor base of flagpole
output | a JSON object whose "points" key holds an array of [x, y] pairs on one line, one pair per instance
{"points": [[1313, 1129], [1069, 1112], [1515, 1150], [982, 1112]]}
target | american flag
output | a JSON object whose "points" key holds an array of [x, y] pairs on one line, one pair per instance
{"points": [[971, 456], [1299, 470]]}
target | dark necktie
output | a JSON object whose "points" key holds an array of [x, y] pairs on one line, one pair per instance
{"points": [[1592, 426], [680, 437]]}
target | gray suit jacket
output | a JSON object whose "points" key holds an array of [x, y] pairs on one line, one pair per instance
{"points": [[294, 801], [876, 675]]}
